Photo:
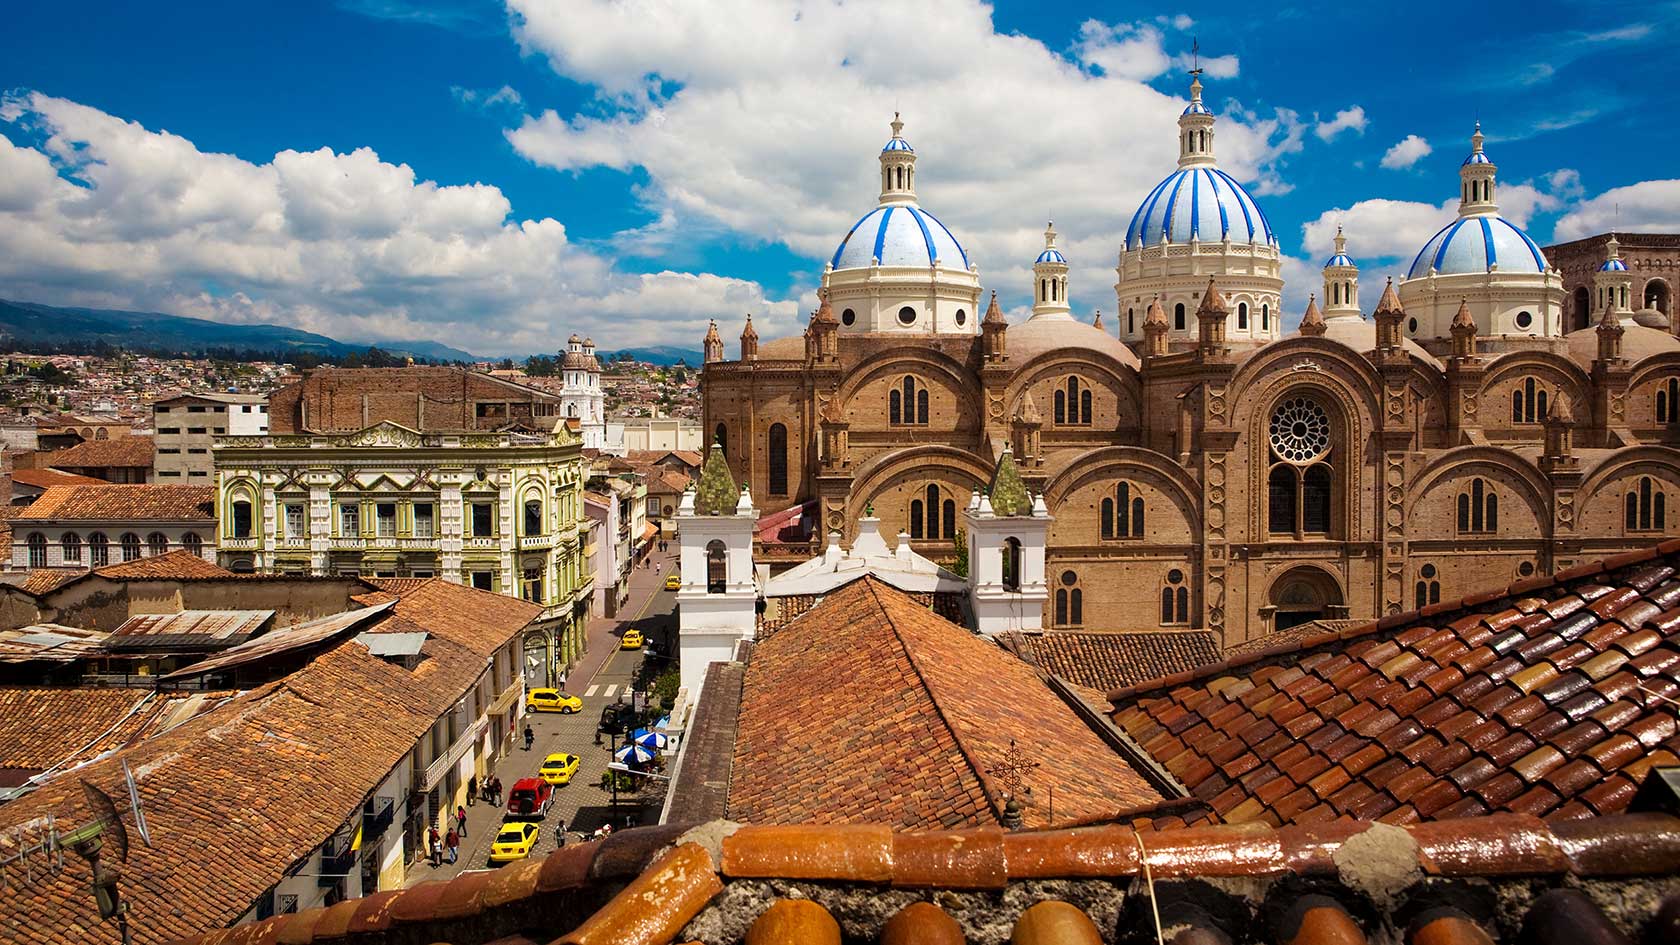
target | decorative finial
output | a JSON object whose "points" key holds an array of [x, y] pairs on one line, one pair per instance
{"points": [[897, 125], [1196, 56], [1341, 241], [1050, 235]]}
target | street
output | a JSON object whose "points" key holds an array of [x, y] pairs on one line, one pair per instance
{"points": [[583, 805]]}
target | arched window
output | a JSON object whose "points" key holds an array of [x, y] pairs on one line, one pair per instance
{"points": [[1175, 599], [1011, 564], [917, 511], [191, 542], [1280, 505], [720, 436], [1478, 509], [130, 546], [240, 526], [717, 567], [933, 516], [157, 543], [948, 519], [1528, 402], [1428, 589], [907, 403], [778, 459], [1266, 316], [1646, 506], [922, 406], [101, 434], [1315, 499], [932, 511], [1242, 314], [533, 517], [1178, 316], [1073, 402], [70, 544], [1122, 514], [1070, 602], [1300, 482], [99, 550], [1668, 401], [37, 545], [1061, 405], [1131, 322]]}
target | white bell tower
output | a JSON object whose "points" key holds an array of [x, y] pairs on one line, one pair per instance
{"points": [[1050, 278], [717, 605], [1007, 531]]}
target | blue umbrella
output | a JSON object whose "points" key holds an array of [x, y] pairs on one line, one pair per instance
{"points": [[647, 739], [633, 754], [663, 723]]}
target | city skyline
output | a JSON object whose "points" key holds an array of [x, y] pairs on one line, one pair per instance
{"points": [[498, 177]]}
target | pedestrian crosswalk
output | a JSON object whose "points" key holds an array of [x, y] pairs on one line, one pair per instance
{"points": [[610, 690], [588, 693]]}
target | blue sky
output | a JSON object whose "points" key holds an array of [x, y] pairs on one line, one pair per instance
{"points": [[497, 176]]}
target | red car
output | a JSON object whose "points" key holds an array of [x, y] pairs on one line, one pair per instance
{"points": [[529, 799]]}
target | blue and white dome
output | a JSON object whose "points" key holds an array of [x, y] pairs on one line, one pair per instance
{"points": [[1195, 108], [898, 144], [1051, 255], [1340, 259], [1203, 203], [1477, 157], [1613, 265], [1479, 243], [899, 235]]}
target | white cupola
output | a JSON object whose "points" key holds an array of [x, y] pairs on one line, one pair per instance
{"points": [[1050, 278], [1341, 282], [1613, 285], [898, 167], [1477, 177]]}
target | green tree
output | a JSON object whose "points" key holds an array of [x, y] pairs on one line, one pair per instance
{"points": [[959, 564]]}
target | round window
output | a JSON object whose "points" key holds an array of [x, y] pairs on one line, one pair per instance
{"points": [[1526, 569], [1411, 326], [1428, 571], [962, 317], [907, 316], [848, 317], [1524, 319], [1300, 430], [1175, 576], [1069, 578]]}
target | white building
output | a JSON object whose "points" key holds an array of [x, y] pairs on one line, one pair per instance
{"points": [[581, 395], [91, 526]]}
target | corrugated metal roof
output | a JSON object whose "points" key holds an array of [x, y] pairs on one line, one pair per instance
{"points": [[49, 641], [392, 644], [209, 626], [283, 640]]}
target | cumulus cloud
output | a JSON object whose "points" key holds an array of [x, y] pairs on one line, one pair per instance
{"points": [[1348, 119], [506, 97], [1410, 150], [780, 145], [1651, 206], [105, 211]]}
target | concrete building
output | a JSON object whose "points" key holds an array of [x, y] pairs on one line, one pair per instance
{"points": [[185, 426], [660, 433]]}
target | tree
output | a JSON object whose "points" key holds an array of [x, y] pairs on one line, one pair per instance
{"points": [[959, 563]]}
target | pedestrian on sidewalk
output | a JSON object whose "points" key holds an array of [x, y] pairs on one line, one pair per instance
{"points": [[461, 819], [434, 846], [530, 736], [472, 790], [453, 843], [496, 792], [560, 833]]}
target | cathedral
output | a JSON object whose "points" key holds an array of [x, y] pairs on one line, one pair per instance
{"points": [[1201, 467]]}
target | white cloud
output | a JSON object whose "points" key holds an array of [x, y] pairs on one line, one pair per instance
{"points": [[107, 212], [1651, 206], [1348, 119], [1410, 150], [780, 145], [506, 97]]}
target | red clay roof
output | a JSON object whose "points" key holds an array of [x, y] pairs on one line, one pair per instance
{"points": [[1547, 697], [175, 564], [42, 580], [1107, 661], [129, 451], [870, 708], [110, 502], [44, 478]]}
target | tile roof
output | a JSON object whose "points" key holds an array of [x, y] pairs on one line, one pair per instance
{"points": [[1476, 880], [111, 502], [1549, 697], [286, 640], [323, 738], [1294, 634], [1108, 661], [174, 564], [41, 580], [45, 726], [871, 708], [201, 629], [133, 450], [45, 478]]}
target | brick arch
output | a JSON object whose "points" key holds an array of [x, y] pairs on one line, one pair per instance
{"points": [[1466, 461], [1060, 362], [1110, 462], [958, 469], [921, 362], [1559, 369], [1351, 374], [1607, 483], [1625, 462]]}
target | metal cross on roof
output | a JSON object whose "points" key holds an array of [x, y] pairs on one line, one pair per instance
{"points": [[1011, 772], [1196, 56]]}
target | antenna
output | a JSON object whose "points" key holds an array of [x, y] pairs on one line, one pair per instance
{"points": [[34, 850]]}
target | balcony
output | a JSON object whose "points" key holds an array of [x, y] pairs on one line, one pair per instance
{"points": [[293, 544], [442, 763], [486, 542], [238, 544], [377, 815], [338, 860], [536, 542]]}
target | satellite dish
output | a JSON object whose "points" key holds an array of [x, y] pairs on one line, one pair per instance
{"points": [[35, 849]]}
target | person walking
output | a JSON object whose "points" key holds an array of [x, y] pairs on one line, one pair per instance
{"points": [[560, 833], [472, 790], [453, 843], [461, 819], [530, 736], [496, 792], [434, 846]]}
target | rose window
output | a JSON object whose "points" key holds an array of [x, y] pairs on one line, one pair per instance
{"points": [[1300, 430]]}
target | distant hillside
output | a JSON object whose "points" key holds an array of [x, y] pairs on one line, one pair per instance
{"points": [[36, 324], [660, 354]]}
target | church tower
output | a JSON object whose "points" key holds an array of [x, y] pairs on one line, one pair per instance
{"points": [[1007, 532], [581, 395], [1613, 285], [717, 603], [1050, 278], [1341, 282]]}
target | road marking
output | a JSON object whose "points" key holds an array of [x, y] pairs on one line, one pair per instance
{"points": [[590, 691], [610, 690]]}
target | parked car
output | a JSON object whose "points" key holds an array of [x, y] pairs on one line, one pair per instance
{"points": [[615, 718], [558, 768], [552, 700], [513, 842], [632, 640], [529, 799], [673, 582]]}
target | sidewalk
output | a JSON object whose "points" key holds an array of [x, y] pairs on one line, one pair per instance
{"points": [[581, 803]]}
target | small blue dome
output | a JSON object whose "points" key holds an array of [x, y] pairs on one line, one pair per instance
{"points": [[1340, 259], [898, 144], [1051, 256], [1200, 202], [1478, 244], [1613, 265], [1196, 108], [1476, 157], [899, 235]]}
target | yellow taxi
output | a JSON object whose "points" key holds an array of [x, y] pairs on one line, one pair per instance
{"points": [[558, 768], [552, 700], [673, 582], [514, 842], [632, 640]]}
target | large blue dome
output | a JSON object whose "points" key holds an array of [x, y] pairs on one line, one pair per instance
{"points": [[1200, 202], [1478, 243], [899, 235]]}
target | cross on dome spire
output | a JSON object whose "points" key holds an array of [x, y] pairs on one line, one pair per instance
{"points": [[1195, 125]]}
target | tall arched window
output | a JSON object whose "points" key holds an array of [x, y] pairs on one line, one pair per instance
{"points": [[1647, 506], [1073, 402], [157, 543], [933, 515], [191, 542], [1300, 482], [1131, 321], [778, 459], [720, 436], [130, 546], [1122, 513], [1668, 401], [1178, 316], [1011, 564], [1428, 589], [1242, 315], [1175, 599], [70, 545], [907, 402], [99, 550], [240, 525], [1478, 509], [1266, 316], [717, 567], [1528, 402], [1070, 602], [37, 545]]}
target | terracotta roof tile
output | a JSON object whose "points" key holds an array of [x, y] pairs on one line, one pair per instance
{"points": [[1487, 703], [131, 451], [1102, 660], [174, 564], [122, 503]]}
